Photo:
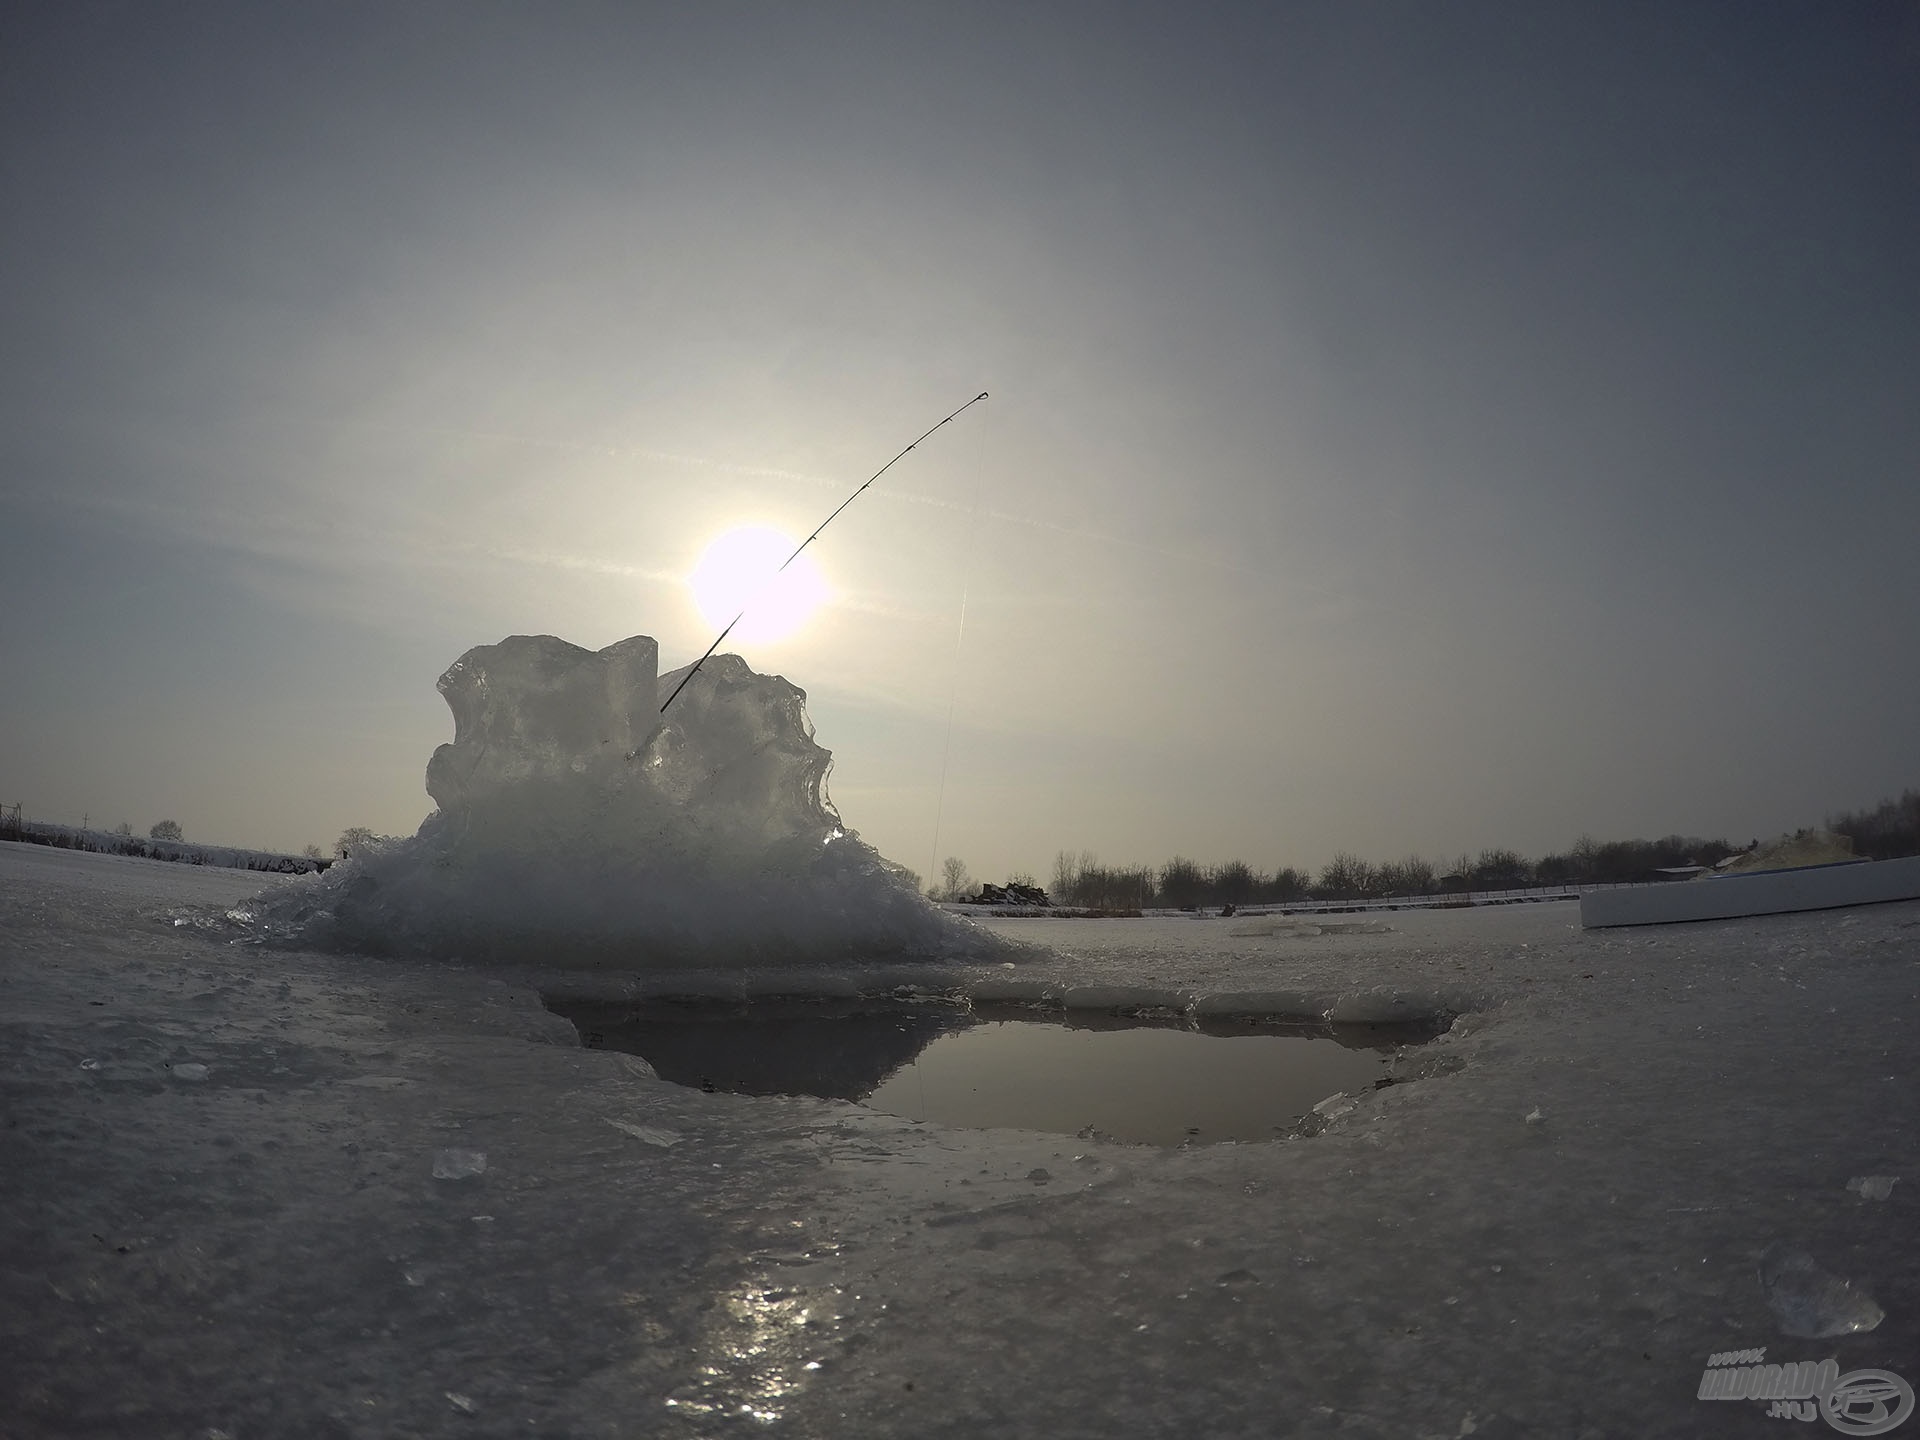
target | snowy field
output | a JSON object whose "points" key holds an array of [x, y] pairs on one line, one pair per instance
{"points": [[222, 1217]]}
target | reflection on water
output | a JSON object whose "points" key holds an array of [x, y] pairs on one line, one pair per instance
{"points": [[752, 1356], [1149, 1081], [1147, 1085], [838, 1050]]}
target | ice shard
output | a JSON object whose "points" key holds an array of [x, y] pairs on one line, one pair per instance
{"points": [[1809, 1301]]}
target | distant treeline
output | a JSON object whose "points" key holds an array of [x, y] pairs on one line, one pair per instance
{"points": [[1886, 832], [63, 837], [1890, 830]]}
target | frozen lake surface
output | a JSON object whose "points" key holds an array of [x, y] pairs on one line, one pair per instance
{"points": [[255, 1192]]}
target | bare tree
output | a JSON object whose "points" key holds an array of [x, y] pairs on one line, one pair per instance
{"points": [[1124, 887], [1130, 887], [352, 840], [166, 830], [1070, 871], [1346, 877], [954, 880], [1183, 885], [1288, 884], [1500, 869], [1411, 876], [1585, 856], [1234, 883]]}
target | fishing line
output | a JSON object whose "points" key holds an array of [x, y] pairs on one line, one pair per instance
{"points": [[959, 635], [803, 545]]}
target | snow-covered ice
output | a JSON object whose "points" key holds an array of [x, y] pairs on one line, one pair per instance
{"points": [[266, 1252], [278, 1167]]}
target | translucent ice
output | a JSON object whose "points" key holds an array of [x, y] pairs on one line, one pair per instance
{"points": [[578, 826], [652, 1134], [1334, 1106], [1810, 1302], [458, 1164]]}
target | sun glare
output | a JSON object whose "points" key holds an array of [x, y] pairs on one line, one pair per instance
{"points": [[740, 570]]}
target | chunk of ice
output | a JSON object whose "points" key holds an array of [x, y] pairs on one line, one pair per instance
{"points": [[1809, 1301], [1872, 1187], [651, 1134], [577, 826], [458, 1164]]}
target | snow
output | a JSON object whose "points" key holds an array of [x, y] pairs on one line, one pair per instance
{"points": [[574, 819], [1632, 1152]]}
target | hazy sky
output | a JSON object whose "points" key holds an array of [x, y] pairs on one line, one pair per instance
{"points": [[1413, 427]]}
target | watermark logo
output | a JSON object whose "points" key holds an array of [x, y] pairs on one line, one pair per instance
{"points": [[1867, 1402], [1860, 1402]]}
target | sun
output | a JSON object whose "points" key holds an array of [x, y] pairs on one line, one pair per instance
{"points": [[740, 570]]}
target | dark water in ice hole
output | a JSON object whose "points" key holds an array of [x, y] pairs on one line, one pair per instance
{"points": [[1148, 1081]]}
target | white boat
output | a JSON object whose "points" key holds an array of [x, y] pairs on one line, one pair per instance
{"points": [[1757, 892]]}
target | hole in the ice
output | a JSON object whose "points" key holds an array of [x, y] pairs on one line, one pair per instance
{"points": [[1157, 1079]]}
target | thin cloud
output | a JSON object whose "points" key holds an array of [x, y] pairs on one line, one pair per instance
{"points": [[897, 496]]}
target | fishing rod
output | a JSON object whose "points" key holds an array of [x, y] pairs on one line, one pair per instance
{"points": [[803, 545]]}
